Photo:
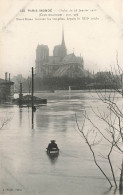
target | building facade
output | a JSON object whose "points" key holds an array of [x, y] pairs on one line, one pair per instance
{"points": [[6, 90], [60, 64]]}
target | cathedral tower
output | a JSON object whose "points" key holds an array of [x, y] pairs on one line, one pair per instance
{"points": [[42, 57], [60, 50]]}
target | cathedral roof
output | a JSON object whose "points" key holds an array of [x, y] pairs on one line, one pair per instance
{"points": [[71, 58], [70, 70]]}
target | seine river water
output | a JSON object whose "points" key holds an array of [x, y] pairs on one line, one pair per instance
{"points": [[25, 167]]}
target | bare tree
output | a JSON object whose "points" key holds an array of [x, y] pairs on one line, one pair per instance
{"points": [[4, 121], [112, 118], [90, 145]]}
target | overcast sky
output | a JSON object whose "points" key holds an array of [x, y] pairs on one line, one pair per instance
{"points": [[97, 41]]}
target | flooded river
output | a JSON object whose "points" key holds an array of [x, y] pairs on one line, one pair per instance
{"points": [[25, 167]]}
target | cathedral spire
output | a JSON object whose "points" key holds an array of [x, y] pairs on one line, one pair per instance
{"points": [[63, 51], [63, 42]]}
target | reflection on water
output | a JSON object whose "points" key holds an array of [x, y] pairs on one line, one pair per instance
{"points": [[53, 157], [23, 149], [33, 119], [20, 112]]}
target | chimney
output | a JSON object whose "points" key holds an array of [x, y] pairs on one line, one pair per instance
{"points": [[9, 76], [6, 76]]}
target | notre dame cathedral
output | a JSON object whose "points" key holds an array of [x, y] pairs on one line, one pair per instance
{"points": [[60, 64]]}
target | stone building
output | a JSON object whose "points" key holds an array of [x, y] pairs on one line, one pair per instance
{"points": [[60, 64], [6, 90]]}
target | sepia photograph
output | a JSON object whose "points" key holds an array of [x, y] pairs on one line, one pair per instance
{"points": [[61, 97]]}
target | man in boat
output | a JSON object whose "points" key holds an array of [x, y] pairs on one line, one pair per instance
{"points": [[52, 146]]}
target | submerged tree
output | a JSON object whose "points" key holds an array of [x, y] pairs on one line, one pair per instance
{"points": [[4, 121]]}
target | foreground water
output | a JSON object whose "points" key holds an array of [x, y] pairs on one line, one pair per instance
{"points": [[25, 167]]}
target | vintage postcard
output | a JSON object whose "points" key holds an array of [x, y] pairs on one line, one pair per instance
{"points": [[61, 89]]}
